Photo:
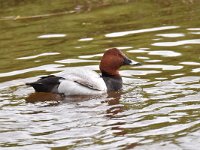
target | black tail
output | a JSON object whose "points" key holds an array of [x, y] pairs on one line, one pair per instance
{"points": [[39, 87], [46, 84]]}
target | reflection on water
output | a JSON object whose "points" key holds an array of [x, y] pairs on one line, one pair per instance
{"points": [[39, 55], [177, 43], [118, 34], [159, 104], [164, 53], [48, 68], [74, 61], [163, 67], [193, 29], [196, 70], [51, 36], [91, 56], [171, 35], [190, 63], [43, 97], [85, 39]]}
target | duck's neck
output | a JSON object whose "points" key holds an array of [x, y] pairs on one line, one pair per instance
{"points": [[113, 82], [113, 75]]}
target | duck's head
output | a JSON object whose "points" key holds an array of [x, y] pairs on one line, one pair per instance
{"points": [[112, 60]]}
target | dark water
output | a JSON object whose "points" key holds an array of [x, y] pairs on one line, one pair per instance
{"points": [[159, 106]]}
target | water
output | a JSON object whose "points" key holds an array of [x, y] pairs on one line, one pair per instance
{"points": [[159, 105]]}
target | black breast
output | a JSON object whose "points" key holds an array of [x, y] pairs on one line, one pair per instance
{"points": [[113, 83]]}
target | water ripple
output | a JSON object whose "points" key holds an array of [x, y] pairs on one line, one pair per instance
{"points": [[171, 35], [48, 68], [197, 33], [124, 33], [91, 56], [196, 70], [169, 130], [193, 29], [39, 55], [159, 105], [85, 39], [190, 63], [177, 43], [187, 79], [165, 53], [47, 36], [74, 61], [138, 72], [163, 67]]}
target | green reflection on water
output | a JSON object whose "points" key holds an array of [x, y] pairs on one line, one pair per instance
{"points": [[19, 35]]}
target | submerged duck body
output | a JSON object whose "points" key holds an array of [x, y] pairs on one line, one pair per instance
{"points": [[83, 81]]}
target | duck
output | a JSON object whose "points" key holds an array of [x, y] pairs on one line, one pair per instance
{"points": [[76, 81]]}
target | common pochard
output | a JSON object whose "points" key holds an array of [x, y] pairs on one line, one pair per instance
{"points": [[82, 81]]}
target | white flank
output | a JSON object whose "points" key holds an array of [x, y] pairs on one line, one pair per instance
{"points": [[81, 81]]}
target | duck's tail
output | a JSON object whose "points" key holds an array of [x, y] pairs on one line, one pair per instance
{"points": [[46, 84], [38, 87]]}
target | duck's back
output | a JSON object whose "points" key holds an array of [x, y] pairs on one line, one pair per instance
{"points": [[80, 81]]}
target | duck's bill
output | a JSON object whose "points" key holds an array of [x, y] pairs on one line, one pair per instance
{"points": [[128, 61], [135, 63]]}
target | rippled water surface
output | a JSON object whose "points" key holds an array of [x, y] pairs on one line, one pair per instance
{"points": [[159, 106]]}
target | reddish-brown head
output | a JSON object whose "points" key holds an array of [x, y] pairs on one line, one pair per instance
{"points": [[112, 60]]}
